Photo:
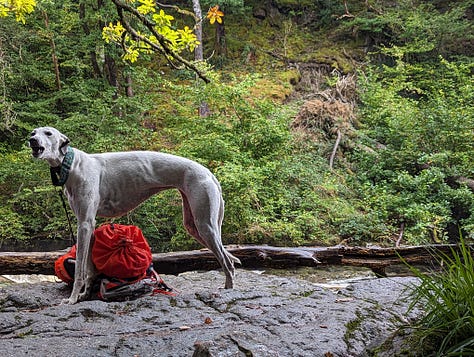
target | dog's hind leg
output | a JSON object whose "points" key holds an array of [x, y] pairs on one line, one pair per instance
{"points": [[226, 260], [188, 221], [205, 226]]}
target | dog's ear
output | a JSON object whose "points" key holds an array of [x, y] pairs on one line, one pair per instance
{"points": [[63, 144]]}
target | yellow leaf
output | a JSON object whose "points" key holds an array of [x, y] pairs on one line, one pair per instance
{"points": [[214, 14]]}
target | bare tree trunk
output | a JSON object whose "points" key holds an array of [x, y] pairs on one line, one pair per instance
{"points": [[198, 52], [334, 150], [400, 235], [129, 85], [204, 110], [111, 72], [92, 54], [7, 114], [53, 51], [221, 46]]}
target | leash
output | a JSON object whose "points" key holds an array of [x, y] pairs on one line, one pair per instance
{"points": [[71, 233], [59, 176]]}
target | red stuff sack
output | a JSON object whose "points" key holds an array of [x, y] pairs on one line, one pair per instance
{"points": [[64, 266], [121, 251]]}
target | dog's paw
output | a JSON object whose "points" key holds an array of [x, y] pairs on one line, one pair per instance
{"points": [[69, 301]]}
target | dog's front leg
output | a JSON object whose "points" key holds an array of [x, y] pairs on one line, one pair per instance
{"points": [[85, 272]]}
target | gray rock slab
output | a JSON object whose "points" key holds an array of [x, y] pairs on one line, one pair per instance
{"points": [[265, 315]]}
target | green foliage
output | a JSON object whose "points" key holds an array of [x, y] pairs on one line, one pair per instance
{"points": [[316, 13], [399, 174], [30, 208], [418, 124], [414, 28], [417, 205], [238, 142], [447, 327], [11, 225]]}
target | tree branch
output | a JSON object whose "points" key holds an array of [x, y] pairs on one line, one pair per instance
{"points": [[180, 11], [163, 46]]}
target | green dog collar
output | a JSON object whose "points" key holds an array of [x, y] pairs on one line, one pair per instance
{"points": [[60, 174]]}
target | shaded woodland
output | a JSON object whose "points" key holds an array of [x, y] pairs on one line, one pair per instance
{"points": [[325, 121]]}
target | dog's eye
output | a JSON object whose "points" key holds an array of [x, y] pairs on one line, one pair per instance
{"points": [[48, 133]]}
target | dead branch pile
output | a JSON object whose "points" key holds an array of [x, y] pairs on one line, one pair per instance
{"points": [[325, 117], [331, 103], [329, 113]]}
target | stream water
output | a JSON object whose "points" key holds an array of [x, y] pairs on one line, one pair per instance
{"points": [[331, 277], [338, 276]]}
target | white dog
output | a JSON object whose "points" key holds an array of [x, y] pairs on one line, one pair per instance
{"points": [[112, 184]]}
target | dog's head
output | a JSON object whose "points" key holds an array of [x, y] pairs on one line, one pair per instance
{"points": [[48, 144]]}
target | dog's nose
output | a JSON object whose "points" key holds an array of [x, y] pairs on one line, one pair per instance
{"points": [[33, 142]]}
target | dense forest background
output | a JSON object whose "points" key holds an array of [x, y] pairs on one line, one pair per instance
{"points": [[325, 121]]}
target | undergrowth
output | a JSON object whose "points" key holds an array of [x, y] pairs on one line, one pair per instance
{"points": [[447, 326]]}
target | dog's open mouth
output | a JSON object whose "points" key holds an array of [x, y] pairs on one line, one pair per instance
{"points": [[36, 148]]}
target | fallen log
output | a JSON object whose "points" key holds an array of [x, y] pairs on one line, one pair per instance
{"points": [[375, 258]]}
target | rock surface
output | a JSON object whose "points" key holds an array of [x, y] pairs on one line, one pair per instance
{"points": [[265, 315]]}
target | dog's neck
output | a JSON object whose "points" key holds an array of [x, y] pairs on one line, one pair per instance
{"points": [[60, 174]]}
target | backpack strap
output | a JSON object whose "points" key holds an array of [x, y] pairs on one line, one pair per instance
{"points": [[114, 289], [160, 287]]}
